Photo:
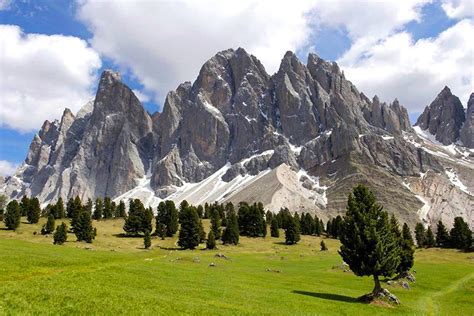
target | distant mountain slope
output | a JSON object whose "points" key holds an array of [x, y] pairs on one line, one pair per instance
{"points": [[299, 138]]}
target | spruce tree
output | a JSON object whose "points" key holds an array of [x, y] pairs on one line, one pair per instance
{"points": [[60, 235], [83, 228], [442, 235], [34, 211], [147, 220], [202, 233], [461, 235], [216, 224], [430, 239], [317, 226], [368, 244], [89, 206], [231, 231], [407, 251], [420, 235], [274, 229], [211, 240], [292, 232], [147, 239], [108, 211], [268, 217], [59, 209], [171, 219], [120, 210], [200, 211], [48, 228], [189, 234], [12, 215], [251, 220], [24, 205], [98, 209], [136, 218], [323, 246], [75, 210]]}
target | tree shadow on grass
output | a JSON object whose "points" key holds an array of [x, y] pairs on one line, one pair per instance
{"points": [[329, 296], [124, 235], [281, 243]]}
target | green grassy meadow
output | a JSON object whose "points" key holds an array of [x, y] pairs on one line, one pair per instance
{"points": [[261, 276]]}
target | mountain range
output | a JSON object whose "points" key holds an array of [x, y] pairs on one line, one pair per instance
{"points": [[300, 138]]}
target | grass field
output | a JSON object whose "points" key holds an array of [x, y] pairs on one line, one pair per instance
{"points": [[117, 276]]}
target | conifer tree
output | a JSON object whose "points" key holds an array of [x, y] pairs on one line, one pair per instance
{"points": [[292, 232], [368, 244], [216, 224], [147, 239], [136, 218], [200, 211], [317, 226], [120, 210], [83, 228], [89, 206], [74, 211], [460, 234], [211, 240], [189, 234], [329, 228], [98, 209], [442, 235], [323, 246], [48, 228], [59, 209], [321, 226], [202, 233], [251, 220], [420, 235], [60, 235], [268, 217], [24, 205], [34, 211], [274, 230], [430, 239], [407, 251], [167, 216], [231, 231], [12, 215], [147, 220], [108, 211]]}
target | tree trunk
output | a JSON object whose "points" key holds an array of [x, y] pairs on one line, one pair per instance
{"points": [[377, 287]]}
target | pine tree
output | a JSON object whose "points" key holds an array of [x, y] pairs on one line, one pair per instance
{"points": [[268, 217], [98, 209], [216, 224], [231, 231], [147, 220], [200, 211], [59, 209], [211, 240], [120, 210], [317, 226], [147, 239], [368, 244], [89, 206], [329, 228], [274, 230], [33, 211], [202, 233], [251, 220], [74, 211], [420, 235], [161, 230], [24, 205], [135, 219], [407, 251], [167, 215], [323, 246], [83, 229], [292, 232], [60, 235], [430, 239], [442, 235], [189, 234], [461, 235], [48, 228], [12, 215], [108, 211]]}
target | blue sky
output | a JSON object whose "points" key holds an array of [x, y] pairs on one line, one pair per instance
{"points": [[141, 41]]}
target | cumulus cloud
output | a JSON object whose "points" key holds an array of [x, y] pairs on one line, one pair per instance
{"points": [[415, 71], [458, 9], [166, 42], [41, 75], [7, 168]]}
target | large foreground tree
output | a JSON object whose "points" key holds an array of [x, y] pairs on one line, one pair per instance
{"points": [[369, 245]]}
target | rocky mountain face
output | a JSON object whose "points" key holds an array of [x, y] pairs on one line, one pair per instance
{"points": [[443, 118], [467, 130], [300, 138]]}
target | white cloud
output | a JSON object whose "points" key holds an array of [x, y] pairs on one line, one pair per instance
{"points": [[4, 4], [165, 43], [458, 9], [415, 71], [142, 96], [7, 168], [41, 75]]}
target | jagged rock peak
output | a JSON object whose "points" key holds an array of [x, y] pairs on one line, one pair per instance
{"points": [[467, 130], [443, 117]]}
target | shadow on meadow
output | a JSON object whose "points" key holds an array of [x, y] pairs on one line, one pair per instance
{"points": [[329, 296]]}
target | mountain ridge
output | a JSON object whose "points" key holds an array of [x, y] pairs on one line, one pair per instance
{"points": [[305, 117]]}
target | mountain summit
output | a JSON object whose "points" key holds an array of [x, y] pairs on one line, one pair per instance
{"points": [[300, 138]]}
